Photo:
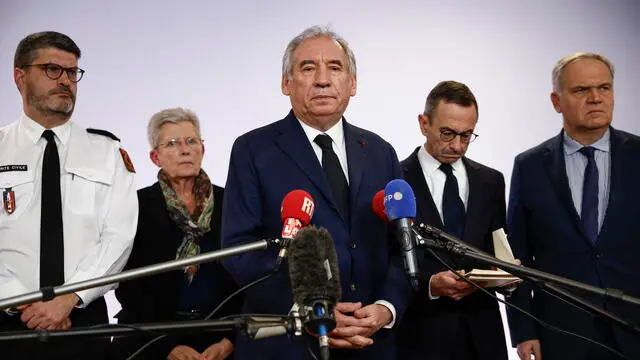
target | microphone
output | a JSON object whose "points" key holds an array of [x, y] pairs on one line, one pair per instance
{"points": [[400, 208], [315, 282], [261, 327], [377, 205], [296, 212]]}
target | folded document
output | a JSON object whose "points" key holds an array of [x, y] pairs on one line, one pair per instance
{"points": [[497, 278]]}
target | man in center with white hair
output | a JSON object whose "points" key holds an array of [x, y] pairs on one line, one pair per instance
{"points": [[342, 167]]}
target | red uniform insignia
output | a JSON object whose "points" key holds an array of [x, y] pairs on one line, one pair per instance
{"points": [[9, 200], [127, 161]]}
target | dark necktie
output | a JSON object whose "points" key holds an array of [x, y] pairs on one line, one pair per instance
{"points": [[334, 174], [589, 214], [51, 238], [452, 206]]}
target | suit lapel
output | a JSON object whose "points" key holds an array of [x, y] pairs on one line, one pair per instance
{"points": [[557, 171], [475, 202], [294, 143], [356, 158], [427, 210], [617, 161]]}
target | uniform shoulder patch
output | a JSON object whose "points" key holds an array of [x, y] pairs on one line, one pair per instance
{"points": [[127, 160], [103, 133]]}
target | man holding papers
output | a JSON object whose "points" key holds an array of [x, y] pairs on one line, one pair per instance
{"points": [[447, 318]]}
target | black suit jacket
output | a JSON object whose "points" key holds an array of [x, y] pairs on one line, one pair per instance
{"points": [[430, 328], [156, 298]]}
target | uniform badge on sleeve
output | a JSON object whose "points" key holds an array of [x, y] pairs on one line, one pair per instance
{"points": [[9, 201], [127, 161]]}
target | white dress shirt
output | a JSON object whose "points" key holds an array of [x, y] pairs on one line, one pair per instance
{"points": [[99, 206], [337, 141], [336, 132], [436, 179]]}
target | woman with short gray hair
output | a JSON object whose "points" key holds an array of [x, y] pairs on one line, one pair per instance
{"points": [[180, 217]]}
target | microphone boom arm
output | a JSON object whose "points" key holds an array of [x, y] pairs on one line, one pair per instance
{"points": [[50, 293], [425, 235], [431, 237], [253, 327], [118, 330]]}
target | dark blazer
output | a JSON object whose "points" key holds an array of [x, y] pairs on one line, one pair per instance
{"points": [[269, 162], [157, 298], [431, 328], [543, 223]]}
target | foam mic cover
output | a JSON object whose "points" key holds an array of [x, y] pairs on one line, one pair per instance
{"points": [[313, 267], [399, 200], [297, 204], [377, 204], [400, 207], [296, 212]]}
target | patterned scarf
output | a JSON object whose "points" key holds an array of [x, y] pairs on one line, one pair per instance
{"points": [[192, 225]]}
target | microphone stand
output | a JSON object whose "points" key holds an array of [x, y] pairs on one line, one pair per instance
{"points": [[320, 320], [51, 292], [433, 238], [254, 327], [117, 330]]}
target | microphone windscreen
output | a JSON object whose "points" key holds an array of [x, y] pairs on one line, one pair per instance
{"points": [[313, 266], [297, 204], [399, 200], [377, 204]]}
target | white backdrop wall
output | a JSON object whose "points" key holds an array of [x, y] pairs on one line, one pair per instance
{"points": [[222, 59]]}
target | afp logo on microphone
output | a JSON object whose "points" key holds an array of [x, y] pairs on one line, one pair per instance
{"points": [[395, 196]]}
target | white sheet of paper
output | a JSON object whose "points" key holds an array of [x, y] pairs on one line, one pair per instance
{"points": [[501, 246]]}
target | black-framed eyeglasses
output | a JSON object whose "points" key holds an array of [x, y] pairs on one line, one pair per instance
{"points": [[54, 71], [448, 135]]}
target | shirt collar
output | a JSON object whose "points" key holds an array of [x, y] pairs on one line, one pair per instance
{"points": [[34, 131], [336, 132], [571, 146], [429, 164]]}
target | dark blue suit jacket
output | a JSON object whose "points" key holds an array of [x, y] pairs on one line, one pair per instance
{"points": [[269, 162], [544, 224]]}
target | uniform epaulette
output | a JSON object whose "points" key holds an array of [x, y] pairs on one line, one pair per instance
{"points": [[103, 133]]}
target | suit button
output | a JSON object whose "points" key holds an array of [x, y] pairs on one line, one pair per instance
{"points": [[353, 245], [352, 287], [599, 255]]}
